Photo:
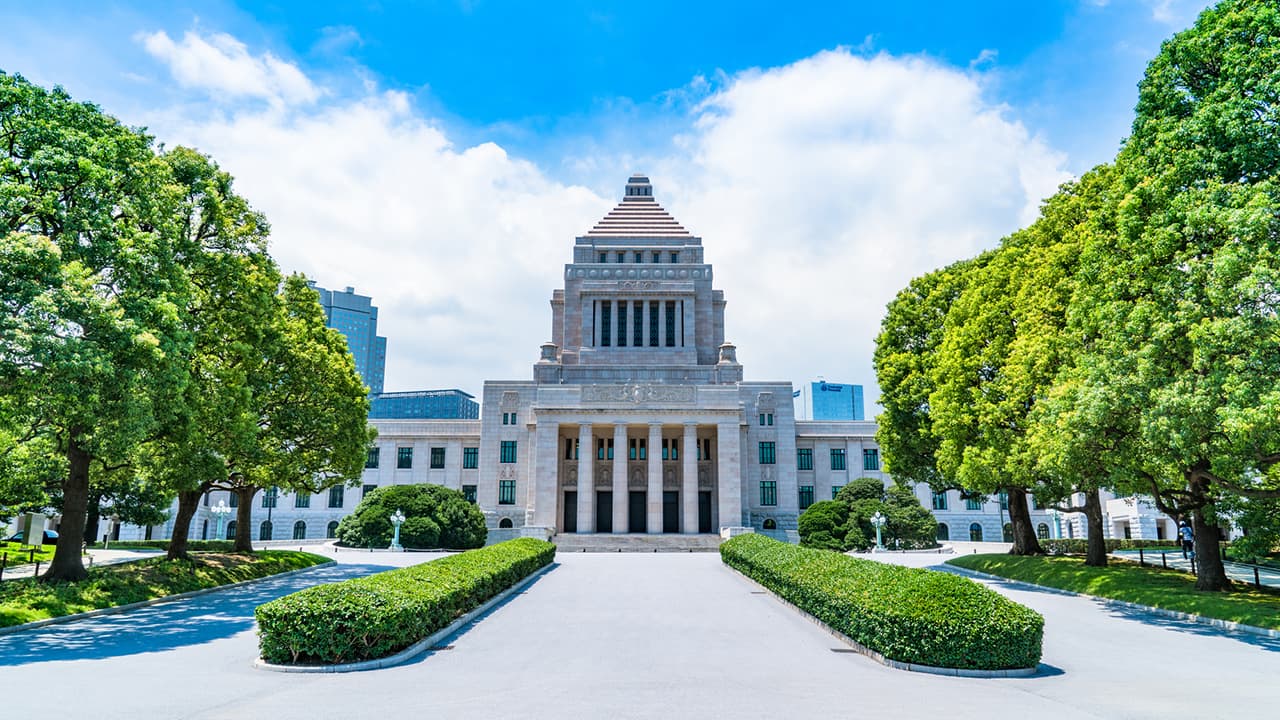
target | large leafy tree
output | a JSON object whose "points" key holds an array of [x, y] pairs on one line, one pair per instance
{"points": [[92, 342], [435, 517]]}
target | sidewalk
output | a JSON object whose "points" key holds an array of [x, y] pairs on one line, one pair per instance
{"points": [[98, 557], [1239, 572]]}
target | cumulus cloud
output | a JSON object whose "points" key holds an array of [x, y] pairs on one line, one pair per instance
{"points": [[223, 65], [820, 188]]}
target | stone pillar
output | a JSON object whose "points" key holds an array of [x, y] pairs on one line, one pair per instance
{"points": [[452, 464], [729, 472], [620, 497], [689, 486], [662, 323], [543, 488], [653, 499], [689, 340], [586, 479], [595, 323], [644, 341]]}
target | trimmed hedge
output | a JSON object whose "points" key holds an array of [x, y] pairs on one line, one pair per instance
{"points": [[906, 614], [378, 615]]}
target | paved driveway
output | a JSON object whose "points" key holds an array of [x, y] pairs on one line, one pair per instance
{"points": [[632, 635]]}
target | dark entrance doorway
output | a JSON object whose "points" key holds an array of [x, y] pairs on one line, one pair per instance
{"points": [[604, 511], [704, 511], [570, 511], [636, 512], [670, 511]]}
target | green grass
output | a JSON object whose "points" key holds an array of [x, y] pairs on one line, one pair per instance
{"points": [[28, 600], [1168, 589], [18, 553]]}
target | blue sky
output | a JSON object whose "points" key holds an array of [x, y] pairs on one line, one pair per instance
{"points": [[899, 136]]}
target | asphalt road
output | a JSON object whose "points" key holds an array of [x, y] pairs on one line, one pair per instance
{"points": [[627, 635]]}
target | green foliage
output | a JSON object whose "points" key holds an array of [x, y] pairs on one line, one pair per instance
{"points": [[376, 616], [436, 517], [194, 545], [1155, 587], [825, 525], [28, 600], [1080, 546], [906, 614], [845, 523]]}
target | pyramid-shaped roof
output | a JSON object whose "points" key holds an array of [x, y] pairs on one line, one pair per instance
{"points": [[638, 216]]}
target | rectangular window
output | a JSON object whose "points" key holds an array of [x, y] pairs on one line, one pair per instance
{"points": [[804, 458], [233, 500], [270, 497], [365, 490], [671, 323], [973, 503], [871, 459], [769, 492], [670, 449], [604, 257], [806, 496], [644, 450], [404, 458], [637, 322], [302, 500], [761, 419], [837, 459], [437, 458], [335, 496], [599, 448], [768, 453], [657, 257], [622, 323], [940, 501], [769, 417], [371, 461], [470, 458], [606, 324], [706, 448], [508, 452], [469, 493], [1031, 502], [835, 490], [632, 449], [506, 492], [1004, 500], [675, 257], [653, 323]]}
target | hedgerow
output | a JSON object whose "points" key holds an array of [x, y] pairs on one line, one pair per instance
{"points": [[906, 614], [378, 615]]}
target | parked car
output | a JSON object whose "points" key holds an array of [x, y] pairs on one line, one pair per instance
{"points": [[50, 538]]}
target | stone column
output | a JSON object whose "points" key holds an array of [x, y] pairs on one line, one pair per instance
{"points": [[689, 486], [453, 464], [620, 497], [644, 341], [543, 488], [729, 472], [662, 323], [586, 480], [653, 499]]}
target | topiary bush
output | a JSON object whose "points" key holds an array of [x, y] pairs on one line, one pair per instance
{"points": [[845, 522], [906, 614], [378, 615], [436, 517]]}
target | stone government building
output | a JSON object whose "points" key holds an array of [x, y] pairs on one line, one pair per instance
{"points": [[637, 419]]}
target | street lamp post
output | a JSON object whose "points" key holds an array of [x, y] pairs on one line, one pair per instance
{"points": [[220, 511], [878, 520], [397, 518]]}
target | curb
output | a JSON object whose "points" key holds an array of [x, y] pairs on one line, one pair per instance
{"points": [[1228, 625], [154, 601], [889, 662], [415, 649]]}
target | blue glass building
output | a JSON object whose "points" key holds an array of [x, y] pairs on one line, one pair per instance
{"points": [[357, 319], [834, 401], [430, 404]]}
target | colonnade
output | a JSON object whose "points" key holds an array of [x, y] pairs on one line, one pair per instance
{"points": [[638, 323]]}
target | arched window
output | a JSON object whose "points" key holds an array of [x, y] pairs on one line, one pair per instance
{"points": [[505, 523], [332, 530], [975, 533], [299, 530], [1008, 532], [770, 524], [1042, 531], [944, 532], [231, 530], [264, 530]]}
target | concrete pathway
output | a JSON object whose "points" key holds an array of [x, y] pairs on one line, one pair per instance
{"points": [[630, 635], [99, 557], [1236, 571]]}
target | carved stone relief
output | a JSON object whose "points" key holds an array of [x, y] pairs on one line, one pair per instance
{"points": [[639, 393]]}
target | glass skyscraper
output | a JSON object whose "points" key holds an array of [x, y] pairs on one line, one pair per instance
{"points": [[833, 401], [357, 319]]}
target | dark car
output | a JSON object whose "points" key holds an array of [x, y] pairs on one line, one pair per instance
{"points": [[50, 538]]}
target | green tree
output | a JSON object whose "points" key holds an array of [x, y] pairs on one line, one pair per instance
{"points": [[825, 525], [435, 516], [92, 343]]}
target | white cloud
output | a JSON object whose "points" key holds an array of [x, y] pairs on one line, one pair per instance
{"points": [[820, 189], [223, 65]]}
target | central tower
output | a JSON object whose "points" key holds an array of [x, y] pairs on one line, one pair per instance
{"points": [[637, 304]]}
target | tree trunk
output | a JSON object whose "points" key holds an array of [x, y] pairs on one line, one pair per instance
{"points": [[67, 564], [1024, 533], [94, 516], [188, 503], [1096, 555], [244, 518], [1210, 573]]}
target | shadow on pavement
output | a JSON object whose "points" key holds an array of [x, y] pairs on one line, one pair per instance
{"points": [[1193, 628], [165, 626]]}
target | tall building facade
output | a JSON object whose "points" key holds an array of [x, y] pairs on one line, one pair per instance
{"points": [[425, 404], [822, 400], [357, 319]]}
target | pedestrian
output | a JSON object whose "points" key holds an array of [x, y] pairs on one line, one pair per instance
{"points": [[1188, 537]]}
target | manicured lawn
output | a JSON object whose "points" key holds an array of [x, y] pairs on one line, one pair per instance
{"points": [[19, 554], [1155, 587], [27, 600]]}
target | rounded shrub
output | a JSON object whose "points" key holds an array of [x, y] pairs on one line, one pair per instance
{"points": [[435, 517]]}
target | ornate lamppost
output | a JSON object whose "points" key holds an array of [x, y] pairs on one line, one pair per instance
{"points": [[220, 511], [878, 520], [397, 519]]}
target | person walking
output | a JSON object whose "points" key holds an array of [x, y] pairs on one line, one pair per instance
{"points": [[1188, 537]]}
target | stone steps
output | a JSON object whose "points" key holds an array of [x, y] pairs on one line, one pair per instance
{"points": [[572, 542]]}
